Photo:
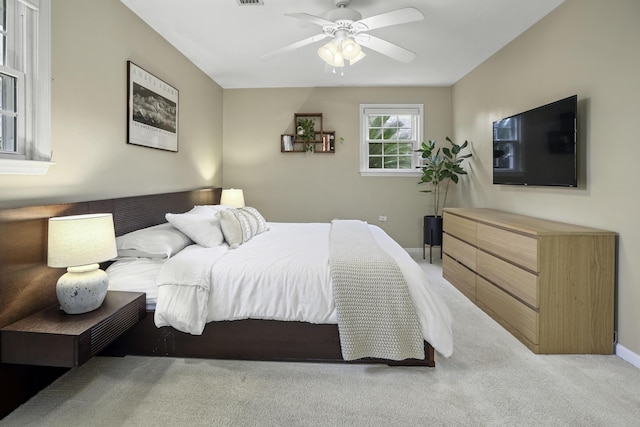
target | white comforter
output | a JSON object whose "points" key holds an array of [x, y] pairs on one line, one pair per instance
{"points": [[282, 274]]}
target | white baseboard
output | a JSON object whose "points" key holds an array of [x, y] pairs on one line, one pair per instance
{"points": [[628, 355]]}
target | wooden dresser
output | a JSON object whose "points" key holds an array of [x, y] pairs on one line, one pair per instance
{"points": [[550, 284]]}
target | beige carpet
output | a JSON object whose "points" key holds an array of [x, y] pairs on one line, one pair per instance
{"points": [[491, 379]]}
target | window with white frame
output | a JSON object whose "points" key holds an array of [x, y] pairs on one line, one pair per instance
{"points": [[25, 94], [389, 136]]}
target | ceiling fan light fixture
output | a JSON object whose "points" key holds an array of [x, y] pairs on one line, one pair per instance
{"points": [[350, 49], [328, 51], [357, 58], [338, 60], [336, 51]]}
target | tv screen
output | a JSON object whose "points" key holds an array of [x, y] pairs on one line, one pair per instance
{"points": [[537, 147]]}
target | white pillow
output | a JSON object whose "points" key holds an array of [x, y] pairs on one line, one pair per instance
{"points": [[158, 241], [204, 229], [209, 209]]}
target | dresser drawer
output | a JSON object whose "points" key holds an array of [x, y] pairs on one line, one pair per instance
{"points": [[462, 228], [460, 276], [520, 249], [460, 251], [518, 316], [509, 277]]}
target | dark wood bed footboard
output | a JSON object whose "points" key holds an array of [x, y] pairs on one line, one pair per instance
{"points": [[245, 340]]}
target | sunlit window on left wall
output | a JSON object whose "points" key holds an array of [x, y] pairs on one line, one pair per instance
{"points": [[25, 87]]}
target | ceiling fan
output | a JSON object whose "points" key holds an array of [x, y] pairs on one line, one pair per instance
{"points": [[349, 31]]}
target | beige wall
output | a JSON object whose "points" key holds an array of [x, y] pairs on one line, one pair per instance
{"points": [[91, 43], [301, 187], [588, 48]]}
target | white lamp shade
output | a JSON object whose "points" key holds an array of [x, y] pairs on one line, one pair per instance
{"points": [[328, 51], [357, 58], [79, 240], [350, 49], [232, 197]]}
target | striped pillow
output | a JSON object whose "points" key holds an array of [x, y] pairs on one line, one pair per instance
{"points": [[240, 225]]}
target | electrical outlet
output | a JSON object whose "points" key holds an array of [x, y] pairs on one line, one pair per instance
{"points": [[382, 218]]}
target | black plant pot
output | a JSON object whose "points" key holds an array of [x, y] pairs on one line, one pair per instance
{"points": [[432, 233]]}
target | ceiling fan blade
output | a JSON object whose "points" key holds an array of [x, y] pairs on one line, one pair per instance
{"points": [[312, 18], [293, 46], [400, 16], [384, 47]]}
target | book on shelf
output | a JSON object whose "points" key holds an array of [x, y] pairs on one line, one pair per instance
{"points": [[287, 142], [325, 142]]}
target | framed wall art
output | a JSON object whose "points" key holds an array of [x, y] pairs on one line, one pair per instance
{"points": [[152, 110]]}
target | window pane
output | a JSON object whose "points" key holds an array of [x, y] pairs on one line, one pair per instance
{"points": [[390, 134], [404, 162], [375, 134], [8, 135], [375, 162], [404, 121], [404, 134], [390, 148], [390, 121], [8, 93], [8, 115], [3, 29], [405, 148], [375, 121], [375, 149], [391, 162]]}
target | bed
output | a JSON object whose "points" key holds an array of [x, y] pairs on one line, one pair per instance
{"points": [[266, 338]]}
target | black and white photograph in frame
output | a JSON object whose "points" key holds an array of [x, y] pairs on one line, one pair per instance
{"points": [[152, 113]]}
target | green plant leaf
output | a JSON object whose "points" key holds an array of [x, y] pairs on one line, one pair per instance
{"points": [[441, 166]]}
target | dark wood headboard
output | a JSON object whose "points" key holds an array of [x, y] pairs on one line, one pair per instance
{"points": [[27, 284]]}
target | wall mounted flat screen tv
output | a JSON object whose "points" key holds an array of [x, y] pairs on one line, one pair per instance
{"points": [[537, 147]]}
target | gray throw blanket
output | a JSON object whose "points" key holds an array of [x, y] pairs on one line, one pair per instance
{"points": [[376, 317]]}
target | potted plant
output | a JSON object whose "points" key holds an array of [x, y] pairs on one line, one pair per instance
{"points": [[306, 131], [440, 168]]}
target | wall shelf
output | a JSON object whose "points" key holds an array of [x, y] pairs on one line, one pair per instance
{"points": [[308, 138], [323, 142]]}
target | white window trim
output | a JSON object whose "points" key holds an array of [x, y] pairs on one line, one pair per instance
{"points": [[364, 149], [39, 153]]}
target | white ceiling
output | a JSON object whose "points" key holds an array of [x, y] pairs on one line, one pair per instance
{"points": [[226, 40]]}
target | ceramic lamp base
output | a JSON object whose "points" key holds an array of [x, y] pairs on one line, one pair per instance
{"points": [[82, 289]]}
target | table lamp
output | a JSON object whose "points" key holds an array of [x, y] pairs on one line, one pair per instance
{"points": [[79, 243], [232, 197]]}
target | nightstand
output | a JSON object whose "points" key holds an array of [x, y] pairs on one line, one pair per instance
{"points": [[51, 337]]}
